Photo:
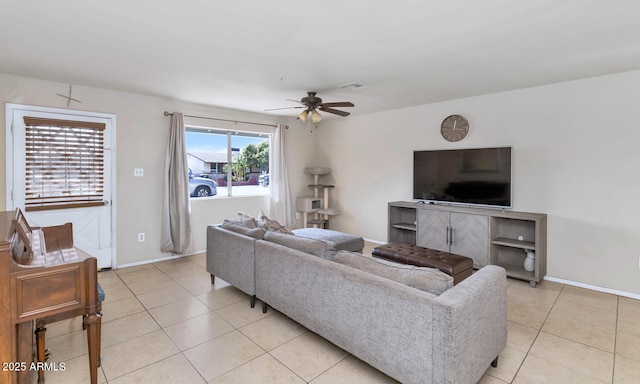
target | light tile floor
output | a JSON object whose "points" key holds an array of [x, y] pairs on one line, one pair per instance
{"points": [[166, 323]]}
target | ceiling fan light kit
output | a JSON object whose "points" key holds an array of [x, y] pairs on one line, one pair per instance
{"points": [[315, 116], [303, 115]]}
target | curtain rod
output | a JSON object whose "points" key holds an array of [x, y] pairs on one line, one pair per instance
{"points": [[166, 113]]}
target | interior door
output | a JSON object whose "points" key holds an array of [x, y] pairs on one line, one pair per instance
{"points": [[92, 226]]}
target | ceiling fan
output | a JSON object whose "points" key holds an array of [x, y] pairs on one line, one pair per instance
{"points": [[312, 103]]}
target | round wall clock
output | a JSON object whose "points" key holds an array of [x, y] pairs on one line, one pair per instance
{"points": [[454, 128]]}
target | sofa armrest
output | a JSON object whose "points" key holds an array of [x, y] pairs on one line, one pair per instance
{"points": [[231, 257], [472, 317]]}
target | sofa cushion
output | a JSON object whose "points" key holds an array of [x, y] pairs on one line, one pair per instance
{"points": [[423, 278], [247, 220], [236, 227], [271, 225], [344, 241], [320, 248]]}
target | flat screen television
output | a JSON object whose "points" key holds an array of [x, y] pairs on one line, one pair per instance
{"points": [[480, 176]]}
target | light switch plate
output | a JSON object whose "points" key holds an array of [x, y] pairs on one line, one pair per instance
{"points": [[138, 172]]}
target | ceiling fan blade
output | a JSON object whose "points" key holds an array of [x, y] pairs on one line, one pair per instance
{"points": [[296, 101], [338, 104], [334, 111], [276, 109]]}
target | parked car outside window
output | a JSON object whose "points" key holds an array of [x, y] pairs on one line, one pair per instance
{"points": [[263, 180], [201, 187], [235, 157]]}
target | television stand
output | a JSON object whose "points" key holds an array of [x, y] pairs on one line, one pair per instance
{"points": [[488, 236]]}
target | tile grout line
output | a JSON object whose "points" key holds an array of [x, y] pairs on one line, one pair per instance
{"points": [[615, 340], [571, 340], [159, 328], [563, 290], [539, 332]]}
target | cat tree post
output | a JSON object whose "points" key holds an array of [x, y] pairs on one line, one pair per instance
{"points": [[320, 216]]}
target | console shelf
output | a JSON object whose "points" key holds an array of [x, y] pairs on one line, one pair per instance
{"points": [[405, 226], [517, 271], [488, 236], [402, 224], [514, 243]]}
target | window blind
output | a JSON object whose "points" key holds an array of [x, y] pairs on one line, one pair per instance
{"points": [[64, 164]]}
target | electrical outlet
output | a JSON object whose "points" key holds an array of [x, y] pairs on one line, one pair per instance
{"points": [[141, 237], [138, 172], [297, 215]]}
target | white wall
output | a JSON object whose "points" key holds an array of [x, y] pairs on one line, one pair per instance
{"points": [[141, 139], [576, 156]]}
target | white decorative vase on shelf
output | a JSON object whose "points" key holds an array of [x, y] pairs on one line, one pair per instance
{"points": [[530, 261]]}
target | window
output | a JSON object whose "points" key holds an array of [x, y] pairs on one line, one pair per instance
{"points": [[64, 164], [237, 162]]}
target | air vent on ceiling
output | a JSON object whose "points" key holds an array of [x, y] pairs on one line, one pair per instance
{"points": [[351, 86]]}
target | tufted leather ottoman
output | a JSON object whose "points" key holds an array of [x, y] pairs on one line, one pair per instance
{"points": [[459, 267]]}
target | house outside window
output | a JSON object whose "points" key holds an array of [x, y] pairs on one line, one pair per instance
{"points": [[236, 161]]}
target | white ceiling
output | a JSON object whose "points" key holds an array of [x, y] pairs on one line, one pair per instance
{"points": [[254, 54]]}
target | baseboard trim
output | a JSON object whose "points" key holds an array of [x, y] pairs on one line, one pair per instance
{"points": [[593, 287], [548, 278], [150, 261]]}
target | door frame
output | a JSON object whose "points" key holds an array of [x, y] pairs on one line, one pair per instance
{"points": [[9, 156]]}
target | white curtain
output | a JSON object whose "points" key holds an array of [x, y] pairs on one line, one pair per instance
{"points": [[176, 221], [281, 207]]}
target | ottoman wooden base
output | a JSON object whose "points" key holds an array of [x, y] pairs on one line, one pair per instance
{"points": [[456, 266]]}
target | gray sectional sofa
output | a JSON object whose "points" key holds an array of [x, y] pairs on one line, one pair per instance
{"points": [[415, 336], [231, 250]]}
